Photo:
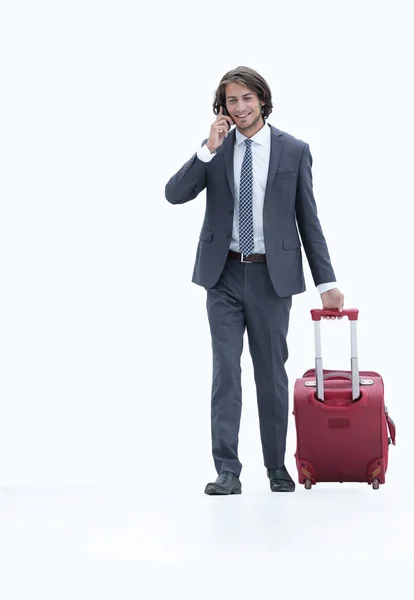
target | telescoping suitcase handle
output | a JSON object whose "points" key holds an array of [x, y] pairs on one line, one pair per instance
{"points": [[352, 314]]}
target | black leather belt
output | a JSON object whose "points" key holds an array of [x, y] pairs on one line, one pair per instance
{"points": [[252, 258]]}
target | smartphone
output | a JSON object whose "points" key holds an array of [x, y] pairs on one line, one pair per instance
{"points": [[227, 115]]}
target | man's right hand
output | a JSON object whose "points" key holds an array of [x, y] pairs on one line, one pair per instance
{"points": [[218, 131]]}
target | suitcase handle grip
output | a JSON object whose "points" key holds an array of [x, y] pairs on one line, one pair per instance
{"points": [[335, 374], [351, 313], [391, 426]]}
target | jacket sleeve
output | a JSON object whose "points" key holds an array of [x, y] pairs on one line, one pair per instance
{"points": [[188, 182], [310, 228]]}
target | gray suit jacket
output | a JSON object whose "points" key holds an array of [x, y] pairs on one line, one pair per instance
{"points": [[289, 210]]}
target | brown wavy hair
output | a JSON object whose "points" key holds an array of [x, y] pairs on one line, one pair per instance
{"points": [[252, 80]]}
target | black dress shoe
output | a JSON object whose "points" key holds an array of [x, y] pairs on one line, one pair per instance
{"points": [[225, 484], [280, 480]]}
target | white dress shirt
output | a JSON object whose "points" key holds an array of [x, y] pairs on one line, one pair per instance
{"points": [[260, 157]]}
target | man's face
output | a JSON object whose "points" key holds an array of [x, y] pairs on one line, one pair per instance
{"points": [[245, 108]]}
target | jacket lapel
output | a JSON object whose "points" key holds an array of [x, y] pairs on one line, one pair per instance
{"points": [[228, 154], [276, 148]]}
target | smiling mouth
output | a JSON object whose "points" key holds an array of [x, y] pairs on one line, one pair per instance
{"points": [[242, 116]]}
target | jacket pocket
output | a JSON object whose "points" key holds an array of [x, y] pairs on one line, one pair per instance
{"points": [[206, 235], [291, 243], [286, 175]]}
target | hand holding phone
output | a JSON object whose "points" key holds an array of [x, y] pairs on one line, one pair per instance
{"points": [[219, 129]]}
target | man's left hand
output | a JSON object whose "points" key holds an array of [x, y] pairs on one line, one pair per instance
{"points": [[333, 298]]}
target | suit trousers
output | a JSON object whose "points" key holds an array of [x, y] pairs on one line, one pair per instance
{"points": [[244, 298]]}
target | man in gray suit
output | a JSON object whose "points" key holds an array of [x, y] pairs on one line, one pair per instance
{"points": [[259, 199]]}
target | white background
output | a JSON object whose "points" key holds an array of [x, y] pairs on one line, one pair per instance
{"points": [[105, 349]]}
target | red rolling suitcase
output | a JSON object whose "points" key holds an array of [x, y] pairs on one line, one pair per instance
{"points": [[341, 420]]}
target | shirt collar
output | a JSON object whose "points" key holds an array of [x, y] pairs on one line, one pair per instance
{"points": [[261, 137]]}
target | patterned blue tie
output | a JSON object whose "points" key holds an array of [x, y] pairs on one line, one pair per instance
{"points": [[246, 240]]}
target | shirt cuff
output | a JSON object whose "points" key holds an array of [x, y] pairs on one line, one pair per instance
{"points": [[325, 287], [204, 154]]}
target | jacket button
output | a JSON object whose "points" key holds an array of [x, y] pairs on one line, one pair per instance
{"points": [[229, 234], [231, 212]]}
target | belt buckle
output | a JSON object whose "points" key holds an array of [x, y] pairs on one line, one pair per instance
{"points": [[244, 261]]}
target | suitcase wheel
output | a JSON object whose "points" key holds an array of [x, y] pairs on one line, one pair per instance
{"points": [[308, 484], [375, 484]]}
